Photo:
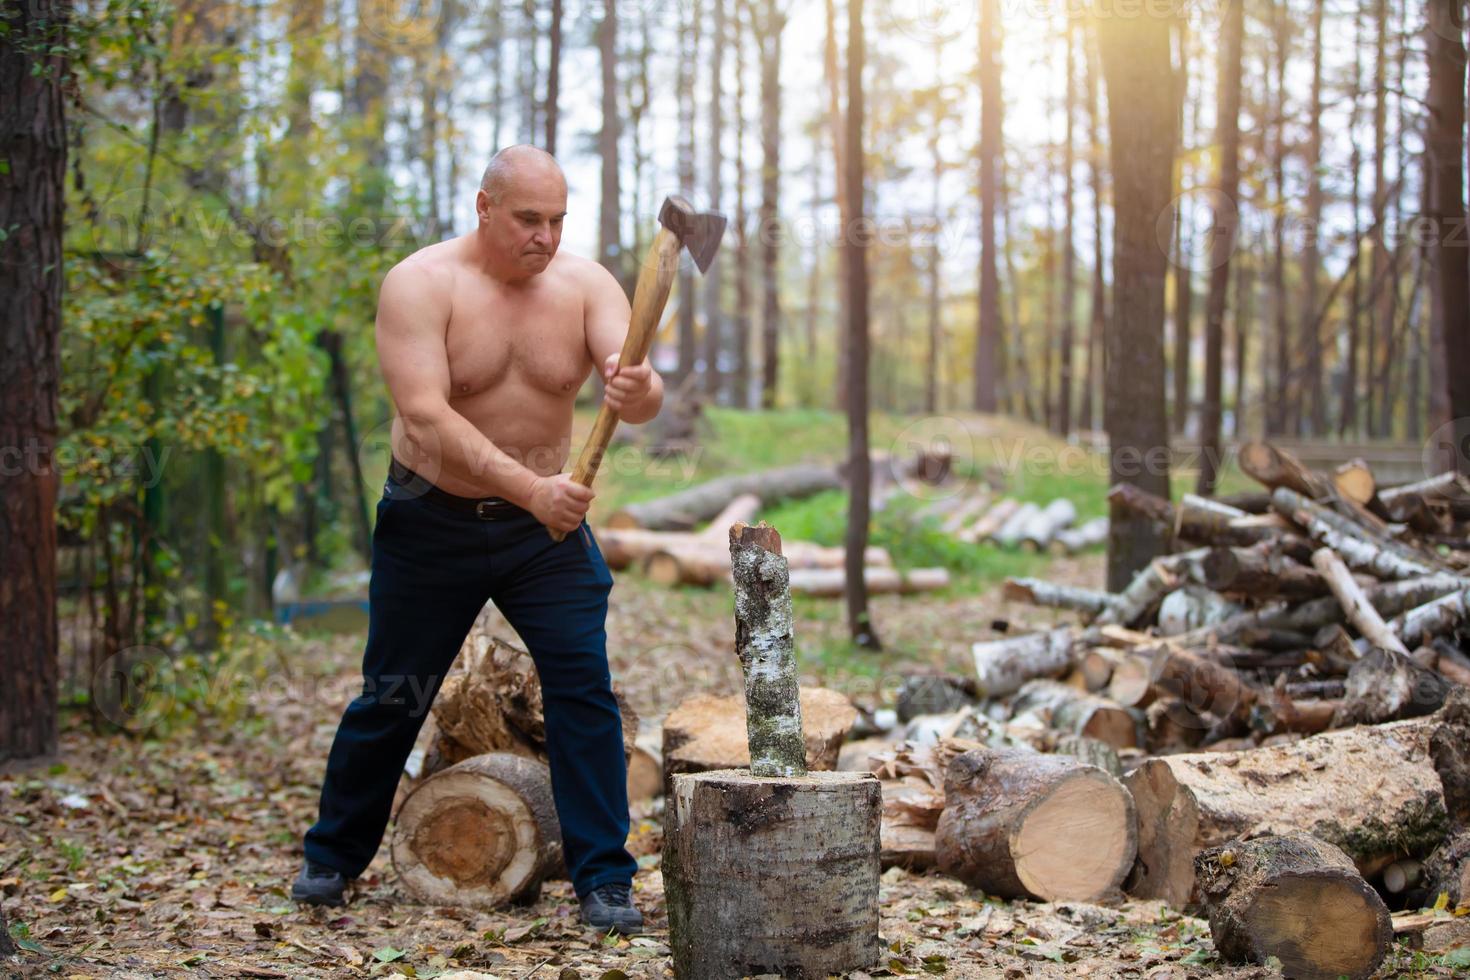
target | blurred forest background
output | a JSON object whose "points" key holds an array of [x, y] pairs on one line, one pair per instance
{"points": [[1192, 222]]}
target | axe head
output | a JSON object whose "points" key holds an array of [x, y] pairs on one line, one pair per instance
{"points": [[698, 231]]}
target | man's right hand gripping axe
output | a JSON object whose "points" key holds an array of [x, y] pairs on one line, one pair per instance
{"points": [[680, 227]]}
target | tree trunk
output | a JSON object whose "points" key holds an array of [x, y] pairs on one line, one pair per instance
{"points": [[855, 258], [553, 78], [1009, 826], [1377, 328], [1183, 245], [741, 340], [1137, 70], [714, 314], [1313, 420], [987, 336], [482, 833], [609, 234], [1227, 227], [1282, 395], [1444, 39], [33, 126], [687, 290], [771, 28], [1297, 899]]}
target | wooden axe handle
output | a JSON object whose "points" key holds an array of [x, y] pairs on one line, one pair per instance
{"points": [[655, 278]]}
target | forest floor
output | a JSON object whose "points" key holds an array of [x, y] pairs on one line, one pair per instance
{"points": [[169, 850]]}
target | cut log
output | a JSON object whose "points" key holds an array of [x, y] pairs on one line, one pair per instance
{"points": [[1447, 871], [933, 693], [1355, 605], [1141, 502], [1003, 666], [710, 732], [1386, 685], [913, 799], [1273, 467], [1039, 592], [1009, 533], [1037, 533], [1096, 667], [1071, 540], [1203, 682], [1261, 572], [1131, 684], [772, 875], [1400, 876], [622, 548], [993, 521], [1354, 481], [688, 508], [1295, 898], [646, 769], [1070, 710], [1425, 622], [1173, 725], [1019, 824], [481, 833], [831, 583], [1168, 821], [1371, 790], [1449, 747], [968, 511]]}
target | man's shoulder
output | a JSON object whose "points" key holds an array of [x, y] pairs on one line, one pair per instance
{"points": [[586, 273], [430, 264]]}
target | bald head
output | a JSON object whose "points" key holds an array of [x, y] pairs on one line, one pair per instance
{"points": [[516, 165]]}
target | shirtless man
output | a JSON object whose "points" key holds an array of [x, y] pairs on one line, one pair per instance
{"points": [[484, 341]]}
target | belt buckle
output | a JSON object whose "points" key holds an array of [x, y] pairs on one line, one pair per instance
{"points": [[490, 510]]}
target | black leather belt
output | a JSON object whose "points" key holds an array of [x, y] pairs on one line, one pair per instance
{"points": [[485, 508]]}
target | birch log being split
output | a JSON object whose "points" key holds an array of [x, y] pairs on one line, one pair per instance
{"points": [[776, 869]]}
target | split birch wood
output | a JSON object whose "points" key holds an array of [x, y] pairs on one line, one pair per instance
{"points": [[1350, 541], [481, 833], [1020, 824], [1355, 605], [1162, 576], [1298, 899], [1263, 572], [1424, 622], [1354, 481]]}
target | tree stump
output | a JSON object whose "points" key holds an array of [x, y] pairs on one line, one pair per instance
{"points": [[481, 833], [774, 870], [1024, 825], [772, 874], [1298, 899]]}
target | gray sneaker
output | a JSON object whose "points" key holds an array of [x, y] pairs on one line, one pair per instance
{"points": [[610, 906], [319, 885]]}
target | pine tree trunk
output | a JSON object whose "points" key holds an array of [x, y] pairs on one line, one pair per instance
{"points": [[855, 257], [714, 316], [838, 134], [33, 126], [1444, 141], [741, 341], [1097, 323], [774, 23], [609, 236], [1227, 182], [553, 78], [1139, 77], [1314, 415], [987, 338]]}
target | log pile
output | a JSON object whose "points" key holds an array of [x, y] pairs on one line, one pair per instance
{"points": [[1293, 669], [1010, 523]]}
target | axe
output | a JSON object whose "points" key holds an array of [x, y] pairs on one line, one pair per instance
{"points": [[680, 227]]}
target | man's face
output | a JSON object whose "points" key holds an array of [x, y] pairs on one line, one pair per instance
{"points": [[525, 227]]}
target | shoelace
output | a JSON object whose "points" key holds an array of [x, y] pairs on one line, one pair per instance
{"points": [[615, 893]]}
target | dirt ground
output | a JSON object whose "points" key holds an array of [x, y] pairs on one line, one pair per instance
{"points": [[172, 856]]}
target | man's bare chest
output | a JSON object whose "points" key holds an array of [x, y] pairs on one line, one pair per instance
{"points": [[538, 343]]}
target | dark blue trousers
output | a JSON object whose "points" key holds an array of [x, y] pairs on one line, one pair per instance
{"points": [[433, 567]]}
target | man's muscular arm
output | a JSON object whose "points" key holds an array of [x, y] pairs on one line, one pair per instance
{"points": [[413, 317], [637, 392]]}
